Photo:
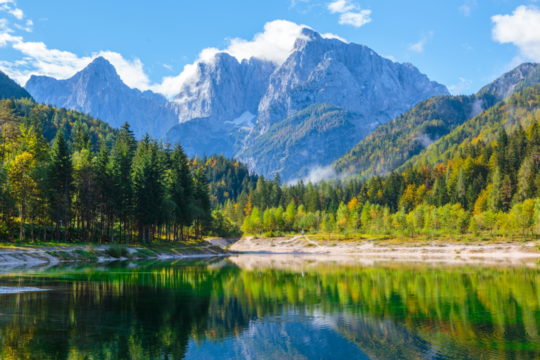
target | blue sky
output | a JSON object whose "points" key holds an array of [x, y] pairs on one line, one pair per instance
{"points": [[463, 44]]}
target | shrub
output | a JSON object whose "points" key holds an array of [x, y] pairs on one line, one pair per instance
{"points": [[117, 251], [270, 234], [85, 255], [145, 252]]}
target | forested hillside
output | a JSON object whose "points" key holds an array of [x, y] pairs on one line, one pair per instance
{"points": [[395, 142], [50, 119], [9, 89], [392, 144]]}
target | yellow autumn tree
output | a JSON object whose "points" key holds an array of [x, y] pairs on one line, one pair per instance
{"points": [[22, 183]]}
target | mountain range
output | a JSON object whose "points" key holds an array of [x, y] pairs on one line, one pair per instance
{"points": [[323, 99]]}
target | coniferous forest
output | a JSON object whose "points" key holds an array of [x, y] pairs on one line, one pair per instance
{"points": [[67, 177]]}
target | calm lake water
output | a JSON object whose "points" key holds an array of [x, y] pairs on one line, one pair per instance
{"points": [[272, 307]]}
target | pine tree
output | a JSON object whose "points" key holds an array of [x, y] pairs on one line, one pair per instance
{"points": [[61, 180], [203, 218], [181, 188], [105, 185]]}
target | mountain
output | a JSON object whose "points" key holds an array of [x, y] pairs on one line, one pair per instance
{"points": [[525, 75], [311, 137], [215, 107], [10, 89], [99, 91], [328, 71], [391, 145], [226, 105], [348, 75], [223, 89]]}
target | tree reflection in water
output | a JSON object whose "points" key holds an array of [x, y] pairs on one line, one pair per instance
{"points": [[268, 307]]}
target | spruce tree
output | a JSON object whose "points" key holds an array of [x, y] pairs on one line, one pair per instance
{"points": [[181, 188], [61, 180]]}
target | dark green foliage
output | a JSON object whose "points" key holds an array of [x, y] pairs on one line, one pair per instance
{"points": [[117, 190], [70, 121], [117, 251], [227, 178], [10, 89], [60, 180]]}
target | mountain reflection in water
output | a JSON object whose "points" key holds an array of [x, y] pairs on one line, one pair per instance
{"points": [[272, 307]]}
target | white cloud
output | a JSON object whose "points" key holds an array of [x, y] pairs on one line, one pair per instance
{"points": [[40, 60], [334, 36], [419, 46], [348, 17], [29, 23], [355, 19], [459, 89], [341, 6], [17, 13], [274, 43], [521, 29], [4, 26], [169, 67], [466, 8], [27, 28]]}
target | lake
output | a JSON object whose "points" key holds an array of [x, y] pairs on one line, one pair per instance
{"points": [[272, 307]]}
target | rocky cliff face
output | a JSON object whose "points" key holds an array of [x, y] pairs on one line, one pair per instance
{"points": [[350, 76], [526, 74], [99, 91], [223, 89]]}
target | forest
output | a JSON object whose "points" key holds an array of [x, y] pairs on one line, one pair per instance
{"points": [[67, 177]]}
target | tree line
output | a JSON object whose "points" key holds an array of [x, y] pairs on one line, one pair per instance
{"points": [[116, 190]]}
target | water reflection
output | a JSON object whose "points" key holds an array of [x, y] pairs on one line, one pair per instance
{"points": [[272, 307]]}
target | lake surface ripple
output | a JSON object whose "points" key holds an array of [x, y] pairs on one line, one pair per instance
{"points": [[272, 307]]}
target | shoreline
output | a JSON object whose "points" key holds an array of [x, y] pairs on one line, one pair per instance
{"points": [[38, 255], [369, 250], [407, 250]]}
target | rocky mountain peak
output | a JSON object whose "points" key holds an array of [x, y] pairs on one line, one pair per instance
{"points": [[524, 75]]}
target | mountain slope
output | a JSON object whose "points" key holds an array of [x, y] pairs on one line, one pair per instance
{"points": [[52, 119], [99, 91], [310, 138], [10, 89], [520, 109], [348, 75], [525, 75], [394, 143]]}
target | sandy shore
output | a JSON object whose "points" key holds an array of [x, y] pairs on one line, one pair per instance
{"points": [[390, 249], [44, 255]]}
